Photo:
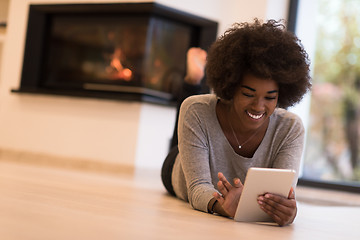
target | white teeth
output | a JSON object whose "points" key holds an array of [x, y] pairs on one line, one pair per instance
{"points": [[255, 116]]}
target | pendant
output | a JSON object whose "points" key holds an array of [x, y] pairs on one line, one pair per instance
{"points": [[239, 147]]}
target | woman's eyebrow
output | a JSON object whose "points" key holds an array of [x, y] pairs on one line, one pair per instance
{"points": [[251, 89], [254, 90]]}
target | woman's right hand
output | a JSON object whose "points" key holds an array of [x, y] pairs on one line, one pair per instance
{"points": [[230, 195]]}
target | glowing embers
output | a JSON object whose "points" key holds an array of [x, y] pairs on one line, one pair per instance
{"points": [[116, 70]]}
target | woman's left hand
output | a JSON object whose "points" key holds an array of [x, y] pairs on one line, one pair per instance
{"points": [[281, 209], [230, 195]]}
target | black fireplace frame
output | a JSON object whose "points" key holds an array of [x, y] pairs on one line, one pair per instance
{"points": [[205, 34]]}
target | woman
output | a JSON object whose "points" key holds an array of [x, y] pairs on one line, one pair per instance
{"points": [[256, 71]]}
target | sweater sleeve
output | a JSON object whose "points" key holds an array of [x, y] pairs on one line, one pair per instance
{"points": [[194, 155], [187, 91], [291, 147]]}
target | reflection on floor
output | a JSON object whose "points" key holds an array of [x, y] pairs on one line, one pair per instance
{"points": [[53, 202]]}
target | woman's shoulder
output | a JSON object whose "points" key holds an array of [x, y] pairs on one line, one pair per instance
{"points": [[199, 101], [283, 118]]}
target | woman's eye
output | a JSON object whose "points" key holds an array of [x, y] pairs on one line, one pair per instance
{"points": [[247, 95], [270, 98]]}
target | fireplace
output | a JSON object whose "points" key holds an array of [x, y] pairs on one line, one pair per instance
{"points": [[127, 51]]}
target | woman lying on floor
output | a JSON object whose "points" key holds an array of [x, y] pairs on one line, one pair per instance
{"points": [[256, 71]]}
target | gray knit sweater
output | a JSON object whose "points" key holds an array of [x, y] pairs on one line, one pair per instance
{"points": [[204, 150]]}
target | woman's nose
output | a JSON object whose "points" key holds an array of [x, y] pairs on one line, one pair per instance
{"points": [[258, 105]]}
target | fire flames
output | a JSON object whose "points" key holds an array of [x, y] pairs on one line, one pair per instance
{"points": [[116, 69]]}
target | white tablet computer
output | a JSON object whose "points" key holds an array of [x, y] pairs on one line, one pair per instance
{"points": [[257, 182]]}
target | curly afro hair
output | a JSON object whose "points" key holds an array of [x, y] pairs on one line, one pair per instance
{"points": [[265, 50]]}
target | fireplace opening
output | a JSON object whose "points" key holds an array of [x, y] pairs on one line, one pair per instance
{"points": [[129, 51]]}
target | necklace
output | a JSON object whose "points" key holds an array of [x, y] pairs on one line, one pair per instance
{"points": [[237, 141]]}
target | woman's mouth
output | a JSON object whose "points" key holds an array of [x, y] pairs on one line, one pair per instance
{"points": [[255, 116]]}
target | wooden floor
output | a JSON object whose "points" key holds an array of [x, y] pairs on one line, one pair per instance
{"points": [[39, 202]]}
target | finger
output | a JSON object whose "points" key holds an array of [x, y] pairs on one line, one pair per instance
{"points": [[280, 220], [277, 216], [285, 209], [222, 188], [224, 181], [273, 207], [238, 183], [276, 200], [291, 194]]}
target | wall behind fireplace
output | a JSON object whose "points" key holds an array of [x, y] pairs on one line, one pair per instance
{"points": [[121, 132]]}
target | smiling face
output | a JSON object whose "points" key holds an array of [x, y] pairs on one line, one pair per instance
{"points": [[254, 102]]}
